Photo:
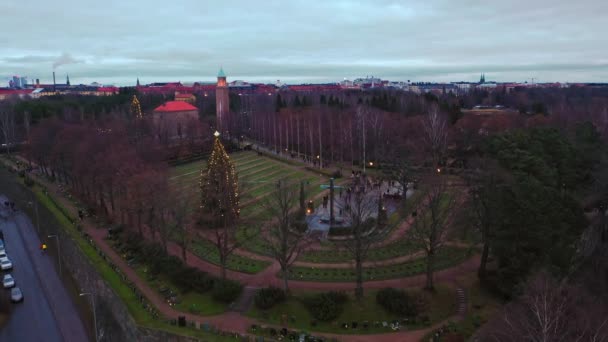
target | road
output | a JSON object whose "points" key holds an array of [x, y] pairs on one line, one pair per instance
{"points": [[47, 312]]}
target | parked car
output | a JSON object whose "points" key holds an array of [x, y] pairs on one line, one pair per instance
{"points": [[3, 254], [8, 281], [16, 295], [2, 244], [5, 263]]}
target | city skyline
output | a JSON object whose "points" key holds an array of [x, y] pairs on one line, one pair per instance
{"points": [[304, 42]]}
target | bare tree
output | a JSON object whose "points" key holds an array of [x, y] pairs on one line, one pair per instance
{"points": [[436, 133], [359, 209], [178, 206], [283, 238], [550, 310], [429, 229]]}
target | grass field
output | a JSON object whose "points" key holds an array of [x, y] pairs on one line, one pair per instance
{"points": [[258, 176], [447, 257]]}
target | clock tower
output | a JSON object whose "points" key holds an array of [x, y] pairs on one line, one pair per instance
{"points": [[221, 102]]}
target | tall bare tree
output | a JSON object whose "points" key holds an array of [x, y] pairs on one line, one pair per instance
{"points": [[436, 133], [359, 210], [430, 227], [176, 216], [484, 183], [283, 238]]}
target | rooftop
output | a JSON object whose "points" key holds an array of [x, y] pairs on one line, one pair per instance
{"points": [[221, 73], [175, 106]]}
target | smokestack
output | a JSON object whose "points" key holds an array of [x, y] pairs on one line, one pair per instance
{"points": [[54, 89]]}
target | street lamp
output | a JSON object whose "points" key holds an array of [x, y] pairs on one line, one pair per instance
{"points": [[35, 204], [58, 250], [94, 315]]}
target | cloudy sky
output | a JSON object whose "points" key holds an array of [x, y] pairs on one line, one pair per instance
{"points": [[116, 41]]}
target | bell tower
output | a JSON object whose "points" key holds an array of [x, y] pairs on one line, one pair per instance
{"points": [[221, 102]]}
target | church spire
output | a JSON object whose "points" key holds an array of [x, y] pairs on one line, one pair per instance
{"points": [[67, 79], [138, 81]]}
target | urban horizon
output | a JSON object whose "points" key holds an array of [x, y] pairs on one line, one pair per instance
{"points": [[77, 79]]}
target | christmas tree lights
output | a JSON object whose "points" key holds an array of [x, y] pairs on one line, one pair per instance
{"points": [[136, 108], [219, 185]]}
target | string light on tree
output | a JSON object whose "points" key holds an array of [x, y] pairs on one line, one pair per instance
{"points": [[219, 184], [136, 108]]}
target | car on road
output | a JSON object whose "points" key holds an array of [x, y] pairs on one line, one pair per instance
{"points": [[16, 295], [8, 281], [5, 264], [2, 244]]}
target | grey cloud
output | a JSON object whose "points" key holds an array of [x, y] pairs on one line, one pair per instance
{"points": [[303, 40]]}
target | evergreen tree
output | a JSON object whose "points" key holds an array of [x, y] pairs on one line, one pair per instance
{"points": [[323, 100], [219, 187], [220, 203], [297, 102], [136, 108]]}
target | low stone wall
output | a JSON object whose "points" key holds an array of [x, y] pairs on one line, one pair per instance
{"points": [[114, 323]]}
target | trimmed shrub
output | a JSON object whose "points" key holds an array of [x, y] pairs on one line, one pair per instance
{"points": [[269, 297], [226, 291], [326, 306], [28, 181], [337, 297], [397, 302], [190, 278]]}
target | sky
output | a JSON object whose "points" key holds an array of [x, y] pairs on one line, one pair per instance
{"points": [[304, 41]]}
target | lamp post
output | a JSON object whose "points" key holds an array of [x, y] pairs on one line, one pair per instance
{"points": [[94, 314], [58, 250], [35, 204]]}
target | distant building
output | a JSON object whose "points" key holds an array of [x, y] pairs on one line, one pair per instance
{"points": [[185, 97], [172, 118], [16, 82], [463, 87], [14, 93], [368, 82]]}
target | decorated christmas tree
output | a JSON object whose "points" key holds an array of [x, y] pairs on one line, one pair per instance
{"points": [[219, 187], [136, 108]]}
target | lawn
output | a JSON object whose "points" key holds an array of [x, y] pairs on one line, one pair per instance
{"points": [[442, 304], [447, 257], [206, 250], [392, 250], [258, 176], [192, 302]]}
